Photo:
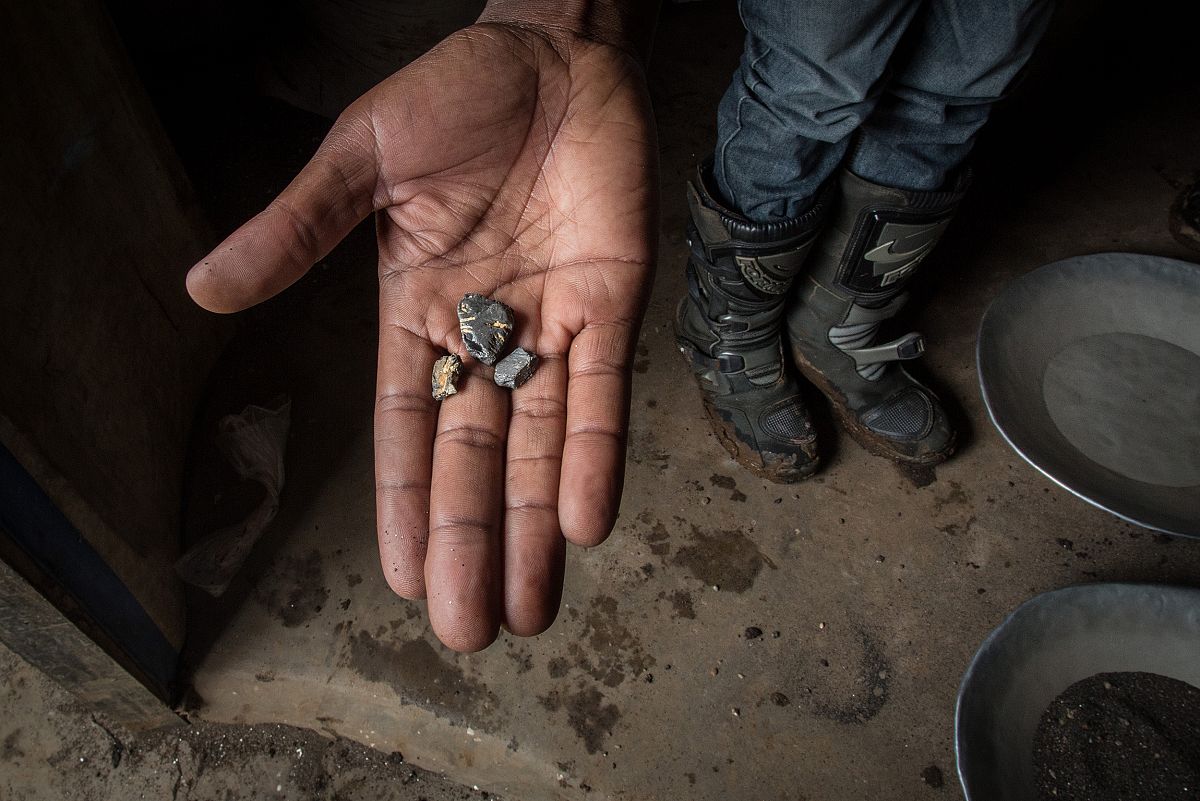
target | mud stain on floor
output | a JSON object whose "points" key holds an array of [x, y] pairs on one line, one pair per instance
{"points": [[11, 750], [521, 657], [955, 529], [874, 676], [606, 649], [726, 559], [295, 591], [724, 482], [645, 450], [729, 483], [681, 603], [588, 715], [917, 475], [641, 364], [957, 497], [419, 675]]}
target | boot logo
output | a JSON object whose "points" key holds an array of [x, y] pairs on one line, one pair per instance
{"points": [[892, 276], [901, 248], [757, 277], [772, 273]]}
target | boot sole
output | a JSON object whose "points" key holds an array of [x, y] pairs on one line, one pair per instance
{"points": [[741, 453], [867, 439]]}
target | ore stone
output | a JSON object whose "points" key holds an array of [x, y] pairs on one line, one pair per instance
{"points": [[445, 373], [485, 326], [516, 368]]}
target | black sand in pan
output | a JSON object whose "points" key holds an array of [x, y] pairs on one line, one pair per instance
{"points": [[1120, 737]]}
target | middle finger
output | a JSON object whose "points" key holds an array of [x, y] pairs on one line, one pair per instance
{"points": [[463, 565]]}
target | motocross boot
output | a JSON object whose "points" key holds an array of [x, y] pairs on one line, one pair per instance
{"points": [[729, 328], [875, 242]]}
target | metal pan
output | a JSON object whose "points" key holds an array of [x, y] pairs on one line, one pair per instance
{"points": [[1048, 644], [1090, 368]]}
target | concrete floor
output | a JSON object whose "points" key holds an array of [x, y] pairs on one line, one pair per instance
{"points": [[871, 593]]}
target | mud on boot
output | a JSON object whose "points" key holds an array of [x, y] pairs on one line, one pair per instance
{"points": [[729, 328], [875, 241]]}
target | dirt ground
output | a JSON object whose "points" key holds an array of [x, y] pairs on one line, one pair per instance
{"points": [[53, 749]]}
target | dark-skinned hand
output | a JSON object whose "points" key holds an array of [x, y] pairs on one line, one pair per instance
{"points": [[517, 162]]}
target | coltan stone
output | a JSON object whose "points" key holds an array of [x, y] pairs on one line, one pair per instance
{"points": [[485, 325], [516, 368], [445, 373]]}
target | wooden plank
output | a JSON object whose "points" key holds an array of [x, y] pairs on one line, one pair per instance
{"points": [[103, 356], [32, 627]]}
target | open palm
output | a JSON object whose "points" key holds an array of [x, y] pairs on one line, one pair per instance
{"points": [[519, 164]]}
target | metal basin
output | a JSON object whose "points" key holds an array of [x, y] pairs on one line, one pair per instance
{"points": [[1048, 644], [1090, 368]]}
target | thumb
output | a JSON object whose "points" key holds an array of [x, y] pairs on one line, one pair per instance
{"points": [[331, 195]]}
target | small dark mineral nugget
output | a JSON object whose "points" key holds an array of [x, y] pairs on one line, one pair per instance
{"points": [[445, 373], [485, 326], [516, 368]]}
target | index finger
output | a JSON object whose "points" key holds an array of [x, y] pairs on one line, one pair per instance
{"points": [[405, 420]]}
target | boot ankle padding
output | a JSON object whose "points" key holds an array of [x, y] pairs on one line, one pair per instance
{"points": [[764, 257], [720, 225]]}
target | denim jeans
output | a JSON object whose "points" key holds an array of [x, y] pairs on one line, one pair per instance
{"points": [[895, 89]]}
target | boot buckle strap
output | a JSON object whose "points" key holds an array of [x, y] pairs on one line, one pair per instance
{"points": [[909, 346]]}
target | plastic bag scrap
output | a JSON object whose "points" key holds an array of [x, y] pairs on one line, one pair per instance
{"points": [[254, 443]]}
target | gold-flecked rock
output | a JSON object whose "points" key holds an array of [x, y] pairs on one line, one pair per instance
{"points": [[445, 373], [485, 325]]}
